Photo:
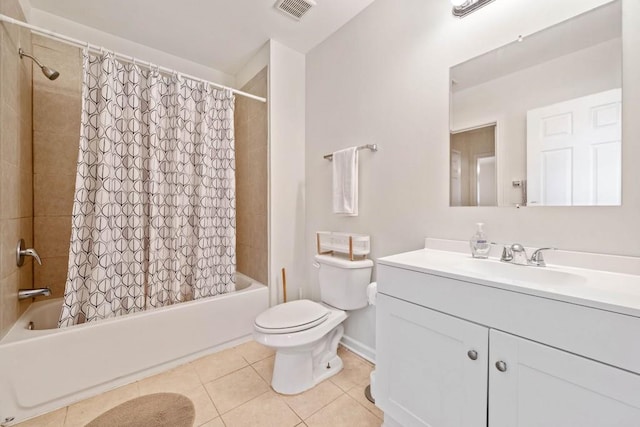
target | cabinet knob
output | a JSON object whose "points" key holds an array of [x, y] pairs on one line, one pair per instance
{"points": [[473, 355], [501, 366]]}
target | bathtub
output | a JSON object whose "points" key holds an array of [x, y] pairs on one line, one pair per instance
{"points": [[48, 368]]}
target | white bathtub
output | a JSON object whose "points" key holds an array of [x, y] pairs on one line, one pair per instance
{"points": [[45, 369]]}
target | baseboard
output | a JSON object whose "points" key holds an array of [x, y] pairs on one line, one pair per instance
{"points": [[359, 348]]}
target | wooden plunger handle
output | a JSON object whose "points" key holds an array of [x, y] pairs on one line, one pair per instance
{"points": [[284, 284]]}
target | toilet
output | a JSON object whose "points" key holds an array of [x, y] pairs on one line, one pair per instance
{"points": [[305, 334]]}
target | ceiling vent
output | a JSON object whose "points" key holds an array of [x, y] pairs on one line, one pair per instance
{"points": [[295, 9]]}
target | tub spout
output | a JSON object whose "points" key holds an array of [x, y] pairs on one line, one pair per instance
{"points": [[31, 293]]}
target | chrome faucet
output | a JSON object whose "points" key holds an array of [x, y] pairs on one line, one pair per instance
{"points": [[21, 253], [537, 259], [516, 254], [33, 292]]}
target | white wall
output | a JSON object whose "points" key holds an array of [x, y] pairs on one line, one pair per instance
{"points": [[109, 41], [286, 169], [507, 99], [383, 78]]}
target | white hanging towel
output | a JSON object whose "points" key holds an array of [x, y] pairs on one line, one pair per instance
{"points": [[345, 182]]}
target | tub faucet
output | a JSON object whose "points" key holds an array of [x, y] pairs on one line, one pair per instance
{"points": [[21, 253], [32, 293]]}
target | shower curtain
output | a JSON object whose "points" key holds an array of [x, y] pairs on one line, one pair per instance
{"points": [[154, 207]]}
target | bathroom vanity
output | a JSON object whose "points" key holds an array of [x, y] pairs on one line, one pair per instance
{"points": [[470, 342]]}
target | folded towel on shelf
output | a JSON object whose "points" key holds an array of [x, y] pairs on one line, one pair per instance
{"points": [[345, 182]]}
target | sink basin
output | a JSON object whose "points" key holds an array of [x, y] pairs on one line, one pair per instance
{"points": [[502, 271]]}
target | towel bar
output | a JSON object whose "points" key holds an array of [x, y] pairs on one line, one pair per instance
{"points": [[372, 147]]}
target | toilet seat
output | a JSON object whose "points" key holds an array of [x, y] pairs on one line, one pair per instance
{"points": [[294, 316]]}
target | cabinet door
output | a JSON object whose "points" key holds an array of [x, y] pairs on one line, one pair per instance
{"points": [[544, 386], [424, 374]]}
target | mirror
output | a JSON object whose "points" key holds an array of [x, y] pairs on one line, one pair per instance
{"points": [[538, 122]]}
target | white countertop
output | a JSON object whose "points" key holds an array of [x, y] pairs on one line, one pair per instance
{"points": [[611, 291]]}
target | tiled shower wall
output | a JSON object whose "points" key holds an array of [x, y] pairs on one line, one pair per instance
{"points": [[16, 195], [56, 135], [251, 132]]}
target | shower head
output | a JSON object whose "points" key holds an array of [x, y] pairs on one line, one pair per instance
{"points": [[50, 73]]}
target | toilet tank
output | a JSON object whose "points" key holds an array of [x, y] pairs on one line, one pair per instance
{"points": [[343, 283]]}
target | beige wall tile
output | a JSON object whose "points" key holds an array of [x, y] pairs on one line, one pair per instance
{"points": [[15, 163], [65, 59], [56, 112], [268, 410], [343, 412], [9, 191], [9, 137], [53, 195], [55, 153], [12, 230], [9, 295], [52, 235], [242, 259], [251, 181], [235, 389], [52, 273], [10, 65]]}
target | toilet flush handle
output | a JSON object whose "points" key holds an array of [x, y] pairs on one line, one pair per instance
{"points": [[316, 265]]}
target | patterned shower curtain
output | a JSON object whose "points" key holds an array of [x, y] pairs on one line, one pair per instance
{"points": [[154, 208]]}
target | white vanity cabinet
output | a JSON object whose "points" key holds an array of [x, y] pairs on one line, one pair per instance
{"points": [[423, 387], [451, 352]]}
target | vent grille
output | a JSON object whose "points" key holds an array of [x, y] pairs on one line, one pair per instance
{"points": [[295, 9]]}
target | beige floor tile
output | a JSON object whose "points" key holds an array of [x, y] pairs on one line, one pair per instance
{"points": [[205, 410], [82, 412], [235, 389], [267, 410], [305, 404], [264, 368], [254, 352], [213, 423], [358, 394], [51, 419], [178, 380], [344, 411], [219, 364], [355, 372]]}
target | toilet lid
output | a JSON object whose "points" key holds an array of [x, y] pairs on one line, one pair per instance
{"points": [[292, 316]]}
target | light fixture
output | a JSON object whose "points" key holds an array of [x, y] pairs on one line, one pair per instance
{"points": [[464, 7]]}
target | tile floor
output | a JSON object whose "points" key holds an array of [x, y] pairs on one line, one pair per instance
{"points": [[232, 388]]}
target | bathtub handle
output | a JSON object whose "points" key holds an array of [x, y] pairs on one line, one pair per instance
{"points": [[21, 253]]}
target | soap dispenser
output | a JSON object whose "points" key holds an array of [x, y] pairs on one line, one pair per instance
{"points": [[480, 246]]}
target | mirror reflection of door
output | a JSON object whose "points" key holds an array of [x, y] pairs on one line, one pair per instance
{"points": [[473, 167], [456, 182], [574, 151]]}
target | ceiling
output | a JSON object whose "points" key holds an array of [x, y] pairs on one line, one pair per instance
{"points": [[220, 34]]}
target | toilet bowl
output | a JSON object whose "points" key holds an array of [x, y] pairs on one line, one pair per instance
{"points": [[305, 334]]}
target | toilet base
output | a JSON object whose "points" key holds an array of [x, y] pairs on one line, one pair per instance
{"points": [[298, 369]]}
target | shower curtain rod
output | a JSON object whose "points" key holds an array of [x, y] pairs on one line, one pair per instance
{"points": [[131, 59]]}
